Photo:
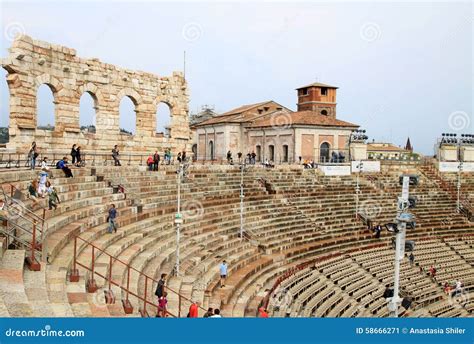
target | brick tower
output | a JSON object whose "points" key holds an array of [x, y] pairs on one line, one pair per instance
{"points": [[318, 97]]}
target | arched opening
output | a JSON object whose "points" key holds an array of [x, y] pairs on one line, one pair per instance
{"points": [[271, 152], [163, 120], [324, 112], [4, 107], [211, 150], [324, 152], [87, 112], [45, 107], [285, 153], [194, 149], [128, 118], [258, 153]]}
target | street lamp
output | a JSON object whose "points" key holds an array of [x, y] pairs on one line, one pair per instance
{"points": [[178, 216], [242, 169], [458, 204], [357, 189], [403, 218]]}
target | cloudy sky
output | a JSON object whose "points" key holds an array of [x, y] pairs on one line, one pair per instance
{"points": [[402, 69]]}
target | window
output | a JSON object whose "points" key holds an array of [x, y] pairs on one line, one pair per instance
{"points": [[211, 150], [324, 91], [163, 120], [285, 153], [304, 92], [258, 153], [324, 113], [87, 112], [271, 152]]}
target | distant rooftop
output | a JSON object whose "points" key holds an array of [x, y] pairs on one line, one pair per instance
{"points": [[317, 84]]}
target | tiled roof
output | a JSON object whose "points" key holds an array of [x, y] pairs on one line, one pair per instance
{"points": [[387, 147], [236, 115], [286, 119], [317, 84]]}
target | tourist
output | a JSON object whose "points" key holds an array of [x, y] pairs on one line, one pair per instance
{"points": [[447, 289], [249, 158], [160, 288], [458, 288], [299, 159], [432, 272], [45, 167], [183, 156], [262, 313], [156, 161], [209, 313], [33, 191], [217, 314], [223, 273], [411, 258], [229, 157], [115, 156], [78, 156], [179, 157], [149, 163], [378, 231], [112, 219], [253, 155], [32, 155], [162, 304], [193, 310], [73, 154], [239, 155], [63, 165], [53, 197], [43, 177]]}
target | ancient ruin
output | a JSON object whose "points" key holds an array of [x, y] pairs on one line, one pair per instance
{"points": [[32, 63]]}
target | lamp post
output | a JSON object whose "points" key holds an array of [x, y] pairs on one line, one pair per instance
{"points": [[460, 166], [359, 169], [242, 168], [403, 217], [178, 217]]}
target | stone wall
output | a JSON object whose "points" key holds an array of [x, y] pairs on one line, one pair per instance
{"points": [[32, 63]]}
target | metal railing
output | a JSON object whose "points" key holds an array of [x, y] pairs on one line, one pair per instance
{"points": [[125, 287]]}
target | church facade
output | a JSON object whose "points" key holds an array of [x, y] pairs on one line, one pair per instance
{"points": [[275, 133]]}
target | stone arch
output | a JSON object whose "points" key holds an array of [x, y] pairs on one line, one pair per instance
{"points": [[132, 94], [94, 91], [324, 149], [49, 80]]}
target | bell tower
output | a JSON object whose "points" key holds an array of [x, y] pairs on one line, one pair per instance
{"points": [[319, 98]]}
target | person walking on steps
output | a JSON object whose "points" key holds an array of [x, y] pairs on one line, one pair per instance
{"points": [[111, 219], [223, 273]]}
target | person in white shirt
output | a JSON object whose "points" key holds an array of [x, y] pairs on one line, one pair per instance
{"points": [[217, 314], [45, 167], [223, 272]]}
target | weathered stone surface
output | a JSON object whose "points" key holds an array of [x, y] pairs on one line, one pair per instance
{"points": [[69, 77]]}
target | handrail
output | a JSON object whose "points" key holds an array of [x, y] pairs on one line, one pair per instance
{"points": [[129, 268], [13, 187], [35, 217]]}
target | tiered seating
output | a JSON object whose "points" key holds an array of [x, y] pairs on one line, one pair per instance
{"points": [[291, 216]]}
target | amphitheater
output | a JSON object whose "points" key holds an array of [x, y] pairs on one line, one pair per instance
{"points": [[304, 252], [301, 236]]}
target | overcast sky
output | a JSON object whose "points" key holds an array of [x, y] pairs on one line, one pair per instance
{"points": [[402, 69]]}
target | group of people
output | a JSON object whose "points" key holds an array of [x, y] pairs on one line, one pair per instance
{"points": [[453, 288], [153, 161], [41, 187]]}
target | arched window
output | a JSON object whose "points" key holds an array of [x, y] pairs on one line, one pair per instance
{"points": [[87, 112], [194, 149], [4, 107], [324, 112], [258, 153], [271, 152], [45, 107], [128, 116], [285, 153], [324, 152], [211, 150], [163, 119]]}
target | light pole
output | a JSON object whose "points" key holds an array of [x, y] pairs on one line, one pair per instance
{"points": [[178, 218], [460, 166], [242, 168], [359, 168], [403, 217]]}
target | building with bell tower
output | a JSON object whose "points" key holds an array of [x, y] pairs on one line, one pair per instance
{"points": [[319, 98]]}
